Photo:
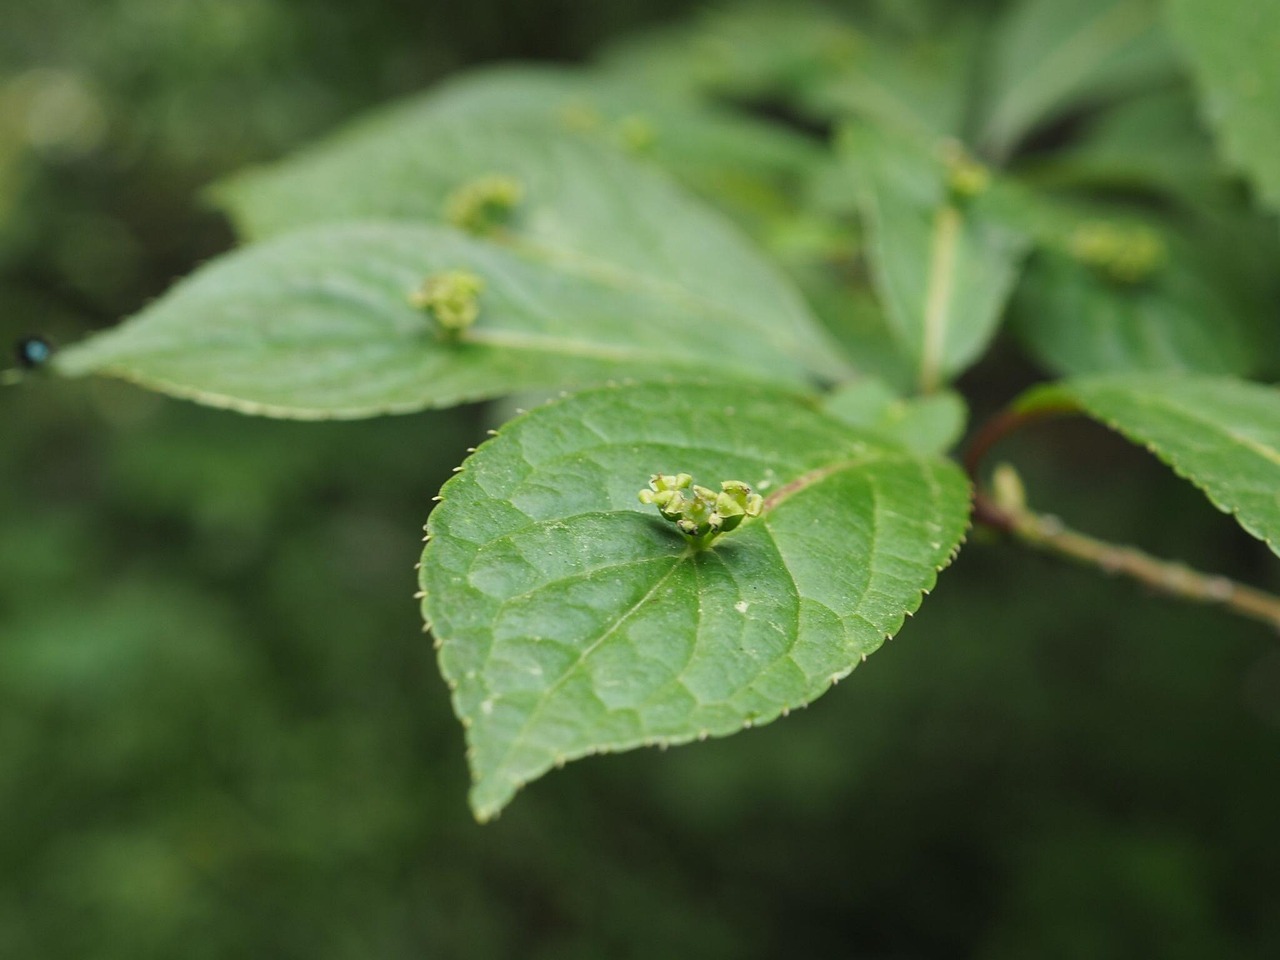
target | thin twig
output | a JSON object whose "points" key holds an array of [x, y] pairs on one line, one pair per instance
{"points": [[1007, 512], [1171, 578]]}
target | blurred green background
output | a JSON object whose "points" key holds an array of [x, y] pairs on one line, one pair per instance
{"points": [[221, 729]]}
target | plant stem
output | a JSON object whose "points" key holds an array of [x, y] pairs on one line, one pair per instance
{"points": [[1049, 534], [1008, 513]]}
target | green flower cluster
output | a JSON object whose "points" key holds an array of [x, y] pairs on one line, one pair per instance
{"points": [[1127, 253], [452, 298], [484, 205], [701, 513]]}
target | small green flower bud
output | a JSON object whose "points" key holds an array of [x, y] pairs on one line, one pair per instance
{"points": [[670, 503], [484, 205], [736, 502], [681, 481], [452, 299], [966, 177], [666, 492], [1007, 489]]}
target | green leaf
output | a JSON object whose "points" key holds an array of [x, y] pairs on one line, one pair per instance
{"points": [[1151, 143], [901, 66], [925, 425], [920, 86], [855, 318], [1234, 50], [766, 51], [1077, 321], [583, 205], [749, 165], [320, 324], [942, 269], [582, 195], [1112, 290], [572, 619], [1221, 434], [1051, 56], [822, 255]]}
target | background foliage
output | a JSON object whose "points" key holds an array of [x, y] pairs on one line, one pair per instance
{"points": [[221, 731]]}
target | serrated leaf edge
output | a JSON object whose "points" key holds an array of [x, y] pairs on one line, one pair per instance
{"points": [[487, 812]]}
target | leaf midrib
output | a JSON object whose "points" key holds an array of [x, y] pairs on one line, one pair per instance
{"points": [[546, 696], [939, 293]]}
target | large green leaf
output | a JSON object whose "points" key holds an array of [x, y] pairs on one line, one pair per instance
{"points": [[1221, 434], [746, 164], [319, 324], [572, 619], [1051, 55], [942, 269], [584, 205], [1234, 49], [551, 130]]}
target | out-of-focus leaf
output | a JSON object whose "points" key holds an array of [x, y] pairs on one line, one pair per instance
{"points": [[941, 268], [822, 254], [918, 85], [848, 308], [320, 323], [926, 425], [746, 164], [581, 204], [574, 620], [1050, 56], [1221, 434], [1234, 50], [1115, 289], [1077, 320], [755, 50], [1150, 143], [903, 67]]}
